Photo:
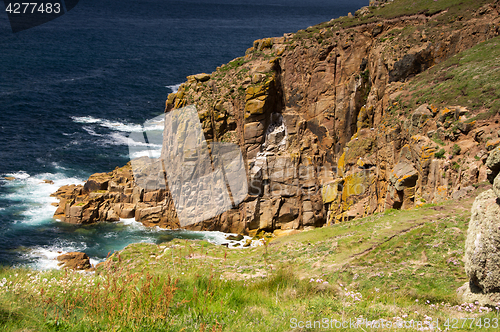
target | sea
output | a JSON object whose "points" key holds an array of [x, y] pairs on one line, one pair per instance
{"points": [[73, 89]]}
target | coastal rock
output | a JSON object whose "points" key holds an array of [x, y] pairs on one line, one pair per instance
{"points": [[491, 144], [469, 293], [74, 261], [203, 77], [421, 115]]}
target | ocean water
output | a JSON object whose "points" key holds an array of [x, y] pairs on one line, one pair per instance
{"points": [[72, 89]]}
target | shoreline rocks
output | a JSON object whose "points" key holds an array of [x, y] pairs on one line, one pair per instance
{"points": [[74, 261]]}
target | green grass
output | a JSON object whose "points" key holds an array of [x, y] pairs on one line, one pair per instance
{"points": [[233, 64], [438, 141], [377, 267]]}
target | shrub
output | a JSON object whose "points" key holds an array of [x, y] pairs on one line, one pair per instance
{"points": [[439, 154], [455, 150]]}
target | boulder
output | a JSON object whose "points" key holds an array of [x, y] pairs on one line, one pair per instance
{"points": [[420, 115], [468, 293], [377, 29], [482, 247], [493, 143], [403, 175], [465, 126], [446, 114], [98, 181], [74, 260], [203, 77], [238, 237]]}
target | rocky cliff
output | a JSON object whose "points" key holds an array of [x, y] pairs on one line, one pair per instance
{"points": [[331, 123]]}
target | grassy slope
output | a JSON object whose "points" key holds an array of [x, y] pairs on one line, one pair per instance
{"points": [[470, 78], [377, 267]]}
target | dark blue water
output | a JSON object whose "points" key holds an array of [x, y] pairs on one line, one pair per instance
{"points": [[71, 89]]}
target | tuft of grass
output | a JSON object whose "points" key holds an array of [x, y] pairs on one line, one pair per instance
{"points": [[438, 141], [234, 64]]}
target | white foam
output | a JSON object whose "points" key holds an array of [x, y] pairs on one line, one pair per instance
{"points": [[174, 87], [219, 238], [214, 237], [119, 139], [118, 135], [115, 125], [21, 175], [130, 222], [33, 194], [145, 153], [85, 119], [157, 123], [119, 126], [91, 131], [46, 257], [57, 166]]}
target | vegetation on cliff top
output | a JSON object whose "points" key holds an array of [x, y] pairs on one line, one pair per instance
{"points": [[451, 10], [470, 78]]}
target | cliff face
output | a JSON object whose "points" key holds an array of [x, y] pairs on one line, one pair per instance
{"points": [[326, 125]]}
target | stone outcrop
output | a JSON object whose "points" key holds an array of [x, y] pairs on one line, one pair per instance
{"points": [[115, 195], [482, 247], [74, 261], [323, 137]]}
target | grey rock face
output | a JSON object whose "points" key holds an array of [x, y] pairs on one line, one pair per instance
{"points": [[493, 164], [482, 247]]}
